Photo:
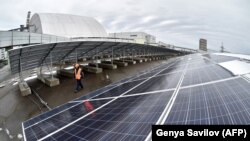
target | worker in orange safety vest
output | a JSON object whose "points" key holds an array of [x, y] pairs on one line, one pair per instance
{"points": [[78, 73]]}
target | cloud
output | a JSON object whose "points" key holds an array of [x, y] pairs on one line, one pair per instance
{"points": [[177, 22], [167, 22], [148, 19]]}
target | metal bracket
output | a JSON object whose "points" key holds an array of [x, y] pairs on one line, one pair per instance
{"points": [[20, 67], [41, 62], [80, 44], [106, 48], [92, 49]]}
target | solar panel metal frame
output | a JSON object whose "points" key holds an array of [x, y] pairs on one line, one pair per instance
{"points": [[26, 58]]}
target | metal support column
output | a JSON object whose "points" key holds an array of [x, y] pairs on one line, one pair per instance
{"points": [[51, 65], [132, 55], [123, 54], [144, 52], [41, 68], [21, 70], [20, 67], [96, 57], [112, 56], [76, 56]]}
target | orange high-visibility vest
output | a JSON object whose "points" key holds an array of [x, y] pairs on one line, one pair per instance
{"points": [[78, 74]]}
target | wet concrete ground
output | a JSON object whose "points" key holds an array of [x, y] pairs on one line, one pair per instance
{"points": [[14, 109]]}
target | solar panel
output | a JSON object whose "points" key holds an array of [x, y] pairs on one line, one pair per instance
{"points": [[199, 64], [52, 123], [185, 90], [173, 69], [34, 56], [205, 74], [48, 114], [219, 103], [125, 118], [166, 82], [119, 90]]}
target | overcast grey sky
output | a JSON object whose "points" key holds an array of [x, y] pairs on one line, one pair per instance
{"points": [[178, 22]]}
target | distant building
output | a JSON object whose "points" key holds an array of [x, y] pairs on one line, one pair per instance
{"points": [[139, 37], [2, 54], [203, 45]]}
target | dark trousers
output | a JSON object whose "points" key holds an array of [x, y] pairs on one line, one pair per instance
{"points": [[78, 84]]}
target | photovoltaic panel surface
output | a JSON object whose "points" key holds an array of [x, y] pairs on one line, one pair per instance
{"points": [[118, 90], [125, 110], [48, 114], [219, 103], [173, 69], [127, 118], [54, 122], [206, 74], [161, 82]]}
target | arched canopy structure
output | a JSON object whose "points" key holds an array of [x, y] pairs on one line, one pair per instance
{"points": [[66, 25]]}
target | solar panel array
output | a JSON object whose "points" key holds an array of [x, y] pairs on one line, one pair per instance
{"points": [[37, 55], [186, 90]]}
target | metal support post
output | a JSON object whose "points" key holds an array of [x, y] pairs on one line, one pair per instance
{"points": [[76, 57], [112, 56], [132, 55], [96, 57], [21, 70], [123, 55], [51, 70]]}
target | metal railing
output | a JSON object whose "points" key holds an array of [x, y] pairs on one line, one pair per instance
{"points": [[162, 44], [112, 39], [16, 38]]}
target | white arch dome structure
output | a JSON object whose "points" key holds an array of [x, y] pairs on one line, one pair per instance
{"points": [[66, 25]]}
